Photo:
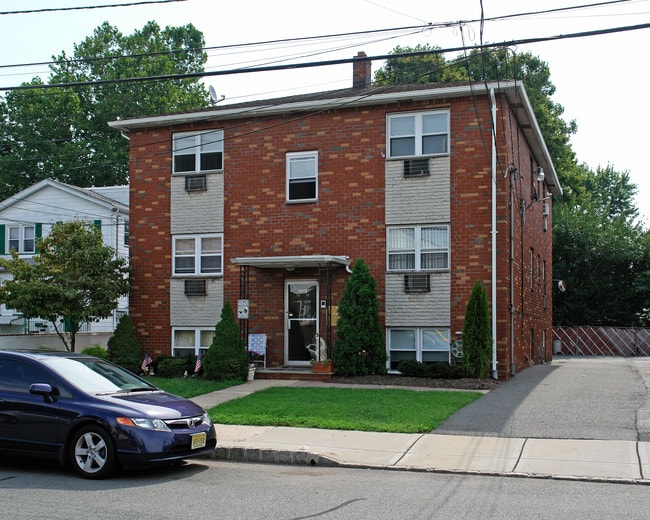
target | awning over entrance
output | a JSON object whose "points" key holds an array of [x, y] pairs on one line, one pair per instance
{"points": [[291, 262]]}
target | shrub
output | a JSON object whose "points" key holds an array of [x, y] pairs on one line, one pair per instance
{"points": [[123, 346], [95, 350], [412, 368], [477, 337], [227, 357], [360, 347], [167, 366], [436, 370]]}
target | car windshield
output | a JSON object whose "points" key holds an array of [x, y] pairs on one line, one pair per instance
{"points": [[98, 376]]}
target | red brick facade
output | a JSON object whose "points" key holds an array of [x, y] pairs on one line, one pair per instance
{"points": [[349, 217]]}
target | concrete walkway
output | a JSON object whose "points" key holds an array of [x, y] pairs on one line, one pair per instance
{"points": [[621, 461]]}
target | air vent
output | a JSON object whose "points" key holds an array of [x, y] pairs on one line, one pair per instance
{"points": [[195, 287], [195, 183], [416, 283], [416, 168]]}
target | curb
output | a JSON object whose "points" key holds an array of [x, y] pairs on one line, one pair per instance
{"points": [[306, 458], [268, 456]]}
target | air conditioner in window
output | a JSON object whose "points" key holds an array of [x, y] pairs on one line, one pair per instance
{"points": [[416, 168], [195, 287], [546, 209], [195, 183], [414, 283]]}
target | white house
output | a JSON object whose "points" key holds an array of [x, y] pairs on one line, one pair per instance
{"points": [[30, 214]]}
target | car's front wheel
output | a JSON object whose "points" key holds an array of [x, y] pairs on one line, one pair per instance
{"points": [[93, 453]]}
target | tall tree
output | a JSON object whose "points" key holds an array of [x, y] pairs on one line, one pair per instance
{"points": [[74, 278], [62, 133], [360, 347], [477, 336], [602, 253], [227, 357]]}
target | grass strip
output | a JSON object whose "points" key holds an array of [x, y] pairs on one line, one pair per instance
{"points": [[189, 387], [381, 410]]}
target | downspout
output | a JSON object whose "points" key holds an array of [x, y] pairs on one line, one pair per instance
{"points": [[512, 274], [495, 374]]}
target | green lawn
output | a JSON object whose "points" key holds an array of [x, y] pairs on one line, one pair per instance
{"points": [[381, 410], [189, 387]]}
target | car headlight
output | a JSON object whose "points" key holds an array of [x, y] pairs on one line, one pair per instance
{"points": [[143, 422], [206, 419]]}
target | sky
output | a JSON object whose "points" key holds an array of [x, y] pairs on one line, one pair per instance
{"points": [[601, 81]]}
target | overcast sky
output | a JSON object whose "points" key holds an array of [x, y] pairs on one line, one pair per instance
{"points": [[601, 81]]}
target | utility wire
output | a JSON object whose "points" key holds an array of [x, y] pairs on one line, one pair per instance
{"points": [[342, 61], [80, 8], [319, 37]]}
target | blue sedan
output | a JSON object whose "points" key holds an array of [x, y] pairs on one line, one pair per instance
{"points": [[94, 415]]}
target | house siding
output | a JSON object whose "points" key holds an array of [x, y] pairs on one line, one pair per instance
{"points": [[48, 202]]}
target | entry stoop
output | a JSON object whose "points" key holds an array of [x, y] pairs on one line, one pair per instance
{"points": [[300, 374]]}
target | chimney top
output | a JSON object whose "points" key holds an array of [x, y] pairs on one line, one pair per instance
{"points": [[361, 71]]}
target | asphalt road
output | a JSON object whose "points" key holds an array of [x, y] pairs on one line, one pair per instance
{"points": [[216, 490], [570, 398]]}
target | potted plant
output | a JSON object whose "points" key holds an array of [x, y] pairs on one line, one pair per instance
{"points": [[324, 366]]}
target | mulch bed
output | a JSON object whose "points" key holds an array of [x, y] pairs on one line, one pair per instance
{"points": [[422, 382]]}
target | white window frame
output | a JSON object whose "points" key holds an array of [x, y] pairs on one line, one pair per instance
{"points": [[22, 239], [417, 249], [201, 340], [419, 348], [418, 133], [197, 254], [208, 141], [293, 177]]}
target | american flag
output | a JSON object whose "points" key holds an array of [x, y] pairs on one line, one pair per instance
{"points": [[197, 367], [146, 362]]}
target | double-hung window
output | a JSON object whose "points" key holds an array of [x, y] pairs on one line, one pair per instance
{"points": [[418, 248], [302, 176], [198, 255], [189, 342], [416, 134], [196, 152], [21, 239], [418, 343]]}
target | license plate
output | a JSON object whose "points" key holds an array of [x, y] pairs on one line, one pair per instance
{"points": [[199, 440]]}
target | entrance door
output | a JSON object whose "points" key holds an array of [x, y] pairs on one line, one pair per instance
{"points": [[301, 310]]}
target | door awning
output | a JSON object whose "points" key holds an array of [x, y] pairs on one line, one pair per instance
{"points": [[291, 262]]}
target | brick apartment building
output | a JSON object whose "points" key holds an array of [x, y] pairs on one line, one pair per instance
{"points": [[268, 204]]}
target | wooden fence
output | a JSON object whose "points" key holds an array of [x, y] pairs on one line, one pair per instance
{"points": [[601, 341]]}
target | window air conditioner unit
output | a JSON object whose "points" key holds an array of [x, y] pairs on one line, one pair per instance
{"points": [[195, 183], [195, 288], [417, 283], [416, 168], [546, 209]]}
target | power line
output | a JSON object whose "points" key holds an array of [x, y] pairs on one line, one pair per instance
{"points": [[424, 26], [324, 63], [80, 8]]}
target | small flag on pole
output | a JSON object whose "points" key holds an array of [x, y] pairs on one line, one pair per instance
{"points": [[197, 367], [146, 362]]}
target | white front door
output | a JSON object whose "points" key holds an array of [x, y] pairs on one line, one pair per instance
{"points": [[301, 311]]}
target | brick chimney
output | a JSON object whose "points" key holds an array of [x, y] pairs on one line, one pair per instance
{"points": [[361, 71]]}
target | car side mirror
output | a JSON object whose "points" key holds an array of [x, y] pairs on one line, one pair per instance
{"points": [[45, 390]]}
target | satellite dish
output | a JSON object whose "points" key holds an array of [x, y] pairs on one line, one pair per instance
{"points": [[214, 98], [213, 95]]}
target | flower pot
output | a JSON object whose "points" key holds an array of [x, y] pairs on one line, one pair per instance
{"points": [[251, 373], [322, 368]]}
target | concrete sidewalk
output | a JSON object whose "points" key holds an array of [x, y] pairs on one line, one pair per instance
{"points": [[592, 460]]}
